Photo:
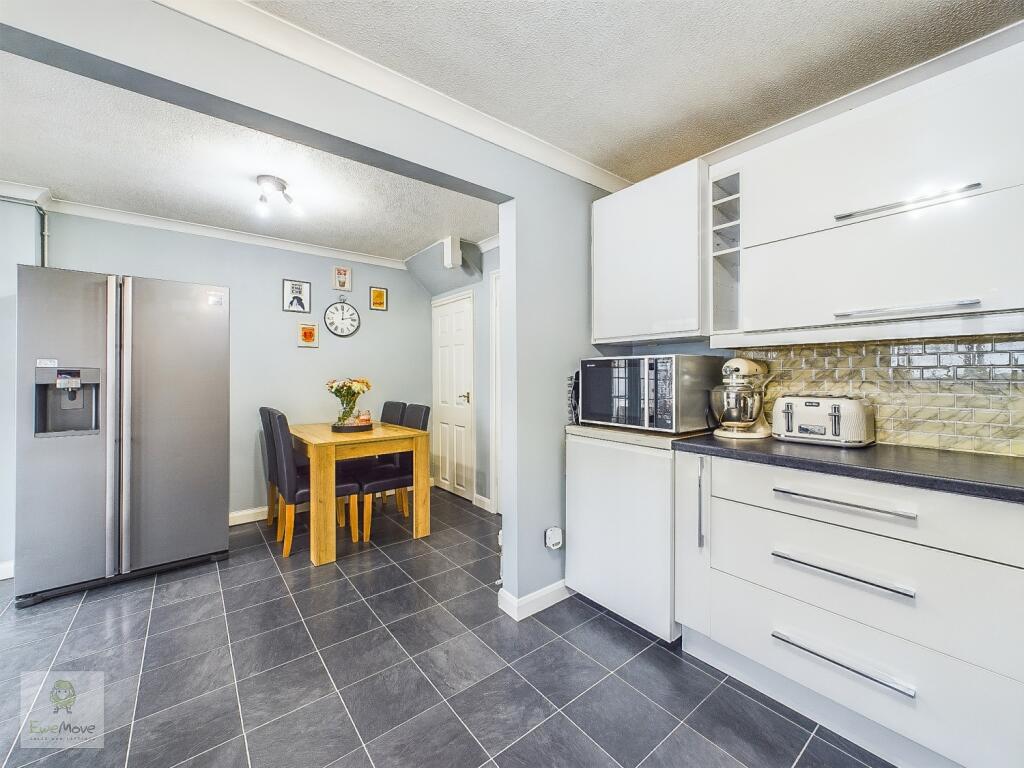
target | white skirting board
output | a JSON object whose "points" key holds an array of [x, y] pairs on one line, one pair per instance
{"points": [[520, 608], [242, 516], [873, 737], [483, 502], [6, 569]]}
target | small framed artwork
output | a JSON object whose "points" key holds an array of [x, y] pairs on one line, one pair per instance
{"points": [[343, 278], [295, 296], [379, 299], [309, 335]]}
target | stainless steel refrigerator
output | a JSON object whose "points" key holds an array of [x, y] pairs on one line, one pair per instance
{"points": [[122, 428]]}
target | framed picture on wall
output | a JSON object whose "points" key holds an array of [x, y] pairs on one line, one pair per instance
{"points": [[295, 296], [309, 335], [379, 299], [343, 278]]}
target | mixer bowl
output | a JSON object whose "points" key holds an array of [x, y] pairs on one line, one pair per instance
{"points": [[737, 405]]}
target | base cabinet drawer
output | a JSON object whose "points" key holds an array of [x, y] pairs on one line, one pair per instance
{"points": [[970, 609], [966, 713], [944, 520]]}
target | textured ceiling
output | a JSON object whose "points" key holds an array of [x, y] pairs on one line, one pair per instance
{"points": [[637, 87], [93, 143]]}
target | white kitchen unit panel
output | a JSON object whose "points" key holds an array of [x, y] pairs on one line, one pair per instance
{"points": [[618, 529], [645, 259], [951, 258], [943, 520], [959, 128], [947, 602], [966, 713], [693, 541]]}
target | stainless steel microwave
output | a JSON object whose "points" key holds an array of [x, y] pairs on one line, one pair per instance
{"points": [[664, 393]]}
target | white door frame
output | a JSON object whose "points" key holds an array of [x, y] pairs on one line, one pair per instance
{"points": [[440, 302], [495, 368]]}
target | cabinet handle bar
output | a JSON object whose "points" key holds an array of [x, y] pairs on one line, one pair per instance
{"points": [[888, 586], [850, 504], [954, 304], [912, 201]]}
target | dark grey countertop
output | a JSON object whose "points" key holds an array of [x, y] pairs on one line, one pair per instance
{"points": [[971, 474]]}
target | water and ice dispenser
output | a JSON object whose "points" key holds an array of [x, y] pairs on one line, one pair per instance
{"points": [[67, 401]]}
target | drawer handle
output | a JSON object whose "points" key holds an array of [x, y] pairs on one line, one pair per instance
{"points": [[912, 201], [954, 304], [886, 681], [889, 586], [850, 504]]}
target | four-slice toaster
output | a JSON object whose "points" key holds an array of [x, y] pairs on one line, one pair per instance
{"points": [[830, 420]]}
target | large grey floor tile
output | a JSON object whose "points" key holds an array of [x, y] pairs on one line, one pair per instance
{"points": [[230, 754], [186, 612], [102, 610], [261, 617], [379, 580], [181, 732], [341, 624], [513, 639], [186, 572], [442, 539], [120, 588], [748, 731], [247, 556], [676, 650], [362, 656], [362, 562], [115, 663], [312, 737], [847, 746], [245, 574], [244, 536], [466, 552], [607, 641], [356, 759], [560, 671], [110, 755], [26, 658], [254, 592], [459, 663], [821, 754], [307, 578], [177, 644], [174, 683], [16, 630], [501, 708], [406, 550], [282, 689], [399, 603], [426, 629], [261, 652], [475, 608], [186, 589], [486, 571], [565, 615], [427, 565], [445, 586], [775, 706], [389, 698], [433, 739], [625, 724], [82, 642], [555, 743], [668, 680], [324, 598], [686, 748]]}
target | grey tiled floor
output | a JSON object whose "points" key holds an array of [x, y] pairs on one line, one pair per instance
{"points": [[395, 656]]}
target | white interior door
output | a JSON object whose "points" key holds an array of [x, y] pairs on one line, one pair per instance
{"points": [[454, 446]]}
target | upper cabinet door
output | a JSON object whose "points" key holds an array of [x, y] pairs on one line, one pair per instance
{"points": [[646, 271], [959, 128]]}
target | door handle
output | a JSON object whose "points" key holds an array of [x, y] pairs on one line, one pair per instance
{"points": [[464, 396]]}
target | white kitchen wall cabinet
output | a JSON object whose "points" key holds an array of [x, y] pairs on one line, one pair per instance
{"points": [[646, 269], [959, 128], [618, 526]]}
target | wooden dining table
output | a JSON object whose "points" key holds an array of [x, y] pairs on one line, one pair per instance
{"points": [[324, 448]]}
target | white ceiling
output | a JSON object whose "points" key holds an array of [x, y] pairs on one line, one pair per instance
{"points": [[637, 87], [92, 143]]}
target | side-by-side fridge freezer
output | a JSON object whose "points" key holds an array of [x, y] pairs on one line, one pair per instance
{"points": [[122, 428]]}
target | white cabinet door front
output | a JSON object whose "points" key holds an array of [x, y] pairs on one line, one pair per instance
{"points": [[948, 259], [646, 259], [958, 128], [693, 541]]}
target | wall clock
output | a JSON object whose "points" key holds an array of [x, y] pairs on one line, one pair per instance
{"points": [[342, 319]]}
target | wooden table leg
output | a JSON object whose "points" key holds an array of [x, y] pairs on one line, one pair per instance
{"points": [[421, 487], [322, 541]]}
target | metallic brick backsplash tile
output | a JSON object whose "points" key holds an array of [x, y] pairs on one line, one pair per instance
{"points": [[962, 394]]}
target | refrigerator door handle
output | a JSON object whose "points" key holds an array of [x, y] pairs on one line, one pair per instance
{"points": [[126, 424], [111, 429]]}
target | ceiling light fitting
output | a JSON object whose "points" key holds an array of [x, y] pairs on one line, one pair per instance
{"points": [[270, 185]]}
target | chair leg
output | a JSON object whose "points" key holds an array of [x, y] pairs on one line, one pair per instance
{"points": [[271, 503], [280, 517], [339, 506], [353, 515], [383, 502], [405, 500], [289, 528], [367, 514]]}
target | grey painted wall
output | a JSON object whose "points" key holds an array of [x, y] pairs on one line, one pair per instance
{"points": [[19, 244], [391, 348], [482, 368], [544, 231], [428, 268]]}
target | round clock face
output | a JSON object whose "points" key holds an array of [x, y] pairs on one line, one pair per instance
{"points": [[341, 319]]}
